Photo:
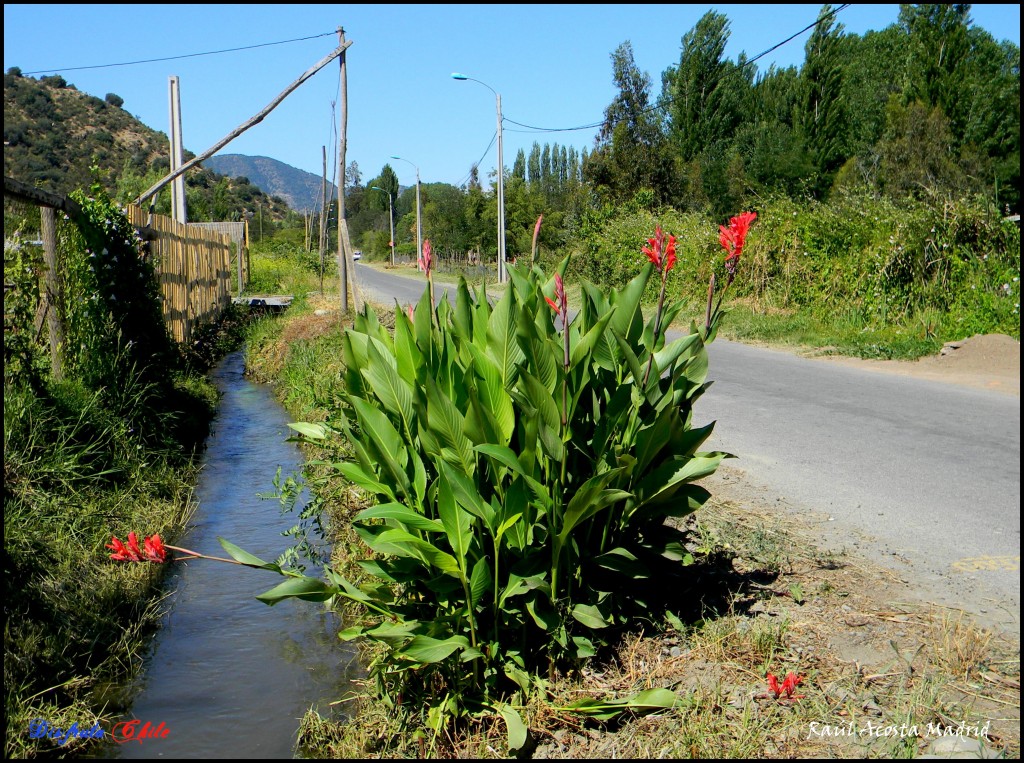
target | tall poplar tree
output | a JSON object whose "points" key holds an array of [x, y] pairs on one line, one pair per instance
{"points": [[824, 114]]}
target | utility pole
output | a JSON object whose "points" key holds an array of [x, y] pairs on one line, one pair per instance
{"points": [[178, 211], [323, 219], [342, 133]]}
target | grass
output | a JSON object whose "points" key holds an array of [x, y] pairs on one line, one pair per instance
{"points": [[74, 476], [765, 598]]}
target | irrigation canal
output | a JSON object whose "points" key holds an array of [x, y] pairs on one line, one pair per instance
{"points": [[228, 676]]}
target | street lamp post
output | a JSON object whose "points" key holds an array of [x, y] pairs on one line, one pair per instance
{"points": [[419, 228], [501, 181], [391, 219]]}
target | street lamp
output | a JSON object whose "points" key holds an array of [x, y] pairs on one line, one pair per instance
{"points": [[419, 228], [501, 182], [391, 219]]}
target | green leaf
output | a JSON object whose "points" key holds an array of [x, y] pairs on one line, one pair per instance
{"points": [[458, 524], [506, 457], [585, 346], [665, 480], [493, 394], [358, 476], [502, 346], [481, 581], [400, 513], [394, 393], [404, 543], [590, 616], [467, 494], [246, 558], [445, 421], [312, 431], [305, 588], [390, 449], [628, 321], [426, 650], [408, 355], [645, 701], [515, 726], [589, 499]]}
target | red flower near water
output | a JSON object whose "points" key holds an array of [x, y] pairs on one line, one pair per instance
{"points": [[657, 247], [561, 305], [154, 549], [733, 238]]}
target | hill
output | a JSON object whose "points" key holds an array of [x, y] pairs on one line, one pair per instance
{"points": [[299, 188], [54, 134]]}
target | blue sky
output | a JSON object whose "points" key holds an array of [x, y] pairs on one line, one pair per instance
{"points": [[550, 63]]}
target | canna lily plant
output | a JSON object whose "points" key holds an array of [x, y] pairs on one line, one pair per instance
{"points": [[522, 463]]}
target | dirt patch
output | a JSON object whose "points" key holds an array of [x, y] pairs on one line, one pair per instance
{"points": [[983, 361]]}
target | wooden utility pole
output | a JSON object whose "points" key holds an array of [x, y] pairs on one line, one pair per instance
{"points": [[323, 219], [346, 265], [53, 292], [178, 209]]}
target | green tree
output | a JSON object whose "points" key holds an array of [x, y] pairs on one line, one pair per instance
{"points": [[533, 175], [824, 115], [939, 46], [519, 167], [630, 152], [702, 115]]}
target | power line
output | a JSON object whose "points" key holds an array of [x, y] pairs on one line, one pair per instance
{"points": [[173, 58], [477, 162], [664, 102]]}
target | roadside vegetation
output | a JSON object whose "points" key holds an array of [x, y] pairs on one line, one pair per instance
{"points": [[761, 596]]}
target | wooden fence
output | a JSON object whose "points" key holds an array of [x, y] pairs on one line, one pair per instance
{"points": [[193, 263], [193, 266]]}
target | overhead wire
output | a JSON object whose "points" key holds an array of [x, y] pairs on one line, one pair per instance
{"points": [[476, 164], [174, 58]]}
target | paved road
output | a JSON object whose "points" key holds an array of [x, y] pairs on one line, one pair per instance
{"points": [[920, 475]]}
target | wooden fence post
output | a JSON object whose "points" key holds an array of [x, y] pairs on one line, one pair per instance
{"points": [[48, 218]]}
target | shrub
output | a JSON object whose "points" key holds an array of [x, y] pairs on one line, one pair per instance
{"points": [[522, 471]]}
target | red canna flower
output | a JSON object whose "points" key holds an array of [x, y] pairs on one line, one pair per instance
{"points": [[733, 238], [121, 552], [409, 310], [133, 546], [657, 246], [561, 305], [426, 259], [789, 684], [154, 549]]}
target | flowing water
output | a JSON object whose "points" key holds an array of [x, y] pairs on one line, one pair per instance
{"points": [[228, 676]]}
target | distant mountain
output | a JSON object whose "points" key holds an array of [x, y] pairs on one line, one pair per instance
{"points": [[299, 188]]}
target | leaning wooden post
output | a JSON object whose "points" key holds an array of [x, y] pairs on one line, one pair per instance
{"points": [[54, 315]]}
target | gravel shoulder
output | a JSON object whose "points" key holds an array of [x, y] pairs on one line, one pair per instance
{"points": [[983, 361]]}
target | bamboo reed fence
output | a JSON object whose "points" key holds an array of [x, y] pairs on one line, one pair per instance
{"points": [[193, 265]]}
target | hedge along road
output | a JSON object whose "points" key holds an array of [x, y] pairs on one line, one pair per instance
{"points": [[919, 475]]}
